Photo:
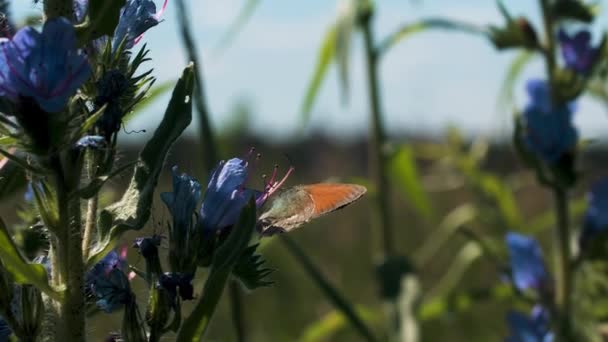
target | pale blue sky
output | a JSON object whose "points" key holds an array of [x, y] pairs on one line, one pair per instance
{"points": [[428, 81]]}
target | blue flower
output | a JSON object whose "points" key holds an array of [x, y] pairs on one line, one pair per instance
{"points": [[534, 328], [549, 129], [45, 66], [182, 201], [527, 265], [596, 217], [5, 330], [136, 17], [577, 51], [226, 194], [108, 282]]}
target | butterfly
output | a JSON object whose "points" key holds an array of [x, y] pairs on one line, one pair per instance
{"points": [[295, 206]]}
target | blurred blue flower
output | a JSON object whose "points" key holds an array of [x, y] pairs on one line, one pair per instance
{"points": [[182, 201], [596, 217], [136, 17], [534, 328], [527, 265], [549, 129], [5, 331], [579, 55], [45, 66], [108, 282], [226, 194]]}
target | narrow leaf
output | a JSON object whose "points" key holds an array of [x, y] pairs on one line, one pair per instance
{"points": [[324, 59], [226, 257], [332, 322], [424, 25], [405, 172], [22, 271], [237, 25], [517, 66], [150, 97]]}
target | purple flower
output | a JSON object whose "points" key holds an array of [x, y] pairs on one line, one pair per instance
{"points": [[108, 282], [577, 51], [226, 194], [534, 328], [549, 129], [136, 17], [596, 217], [45, 66], [527, 265], [182, 201]]}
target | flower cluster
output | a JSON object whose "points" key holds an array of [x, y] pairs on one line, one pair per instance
{"points": [[529, 273], [109, 283], [45, 67]]}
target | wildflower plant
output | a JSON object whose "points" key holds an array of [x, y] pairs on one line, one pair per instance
{"points": [[65, 90]]}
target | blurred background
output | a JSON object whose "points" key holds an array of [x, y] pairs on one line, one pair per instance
{"points": [[456, 178]]}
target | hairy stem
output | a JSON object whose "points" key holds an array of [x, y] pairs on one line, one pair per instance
{"points": [[69, 258], [90, 225]]}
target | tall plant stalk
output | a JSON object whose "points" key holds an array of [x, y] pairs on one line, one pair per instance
{"points": [[562, 250], [378, 163]]}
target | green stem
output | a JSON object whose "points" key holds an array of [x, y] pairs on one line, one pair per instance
{"points": [[238, 316], [562, 259], [69, 259], [90, 225], [378, 162], [377, 159], [562, 251], [339, 302]]}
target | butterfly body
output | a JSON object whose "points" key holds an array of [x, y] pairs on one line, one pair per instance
{"points": [[295, 206]]}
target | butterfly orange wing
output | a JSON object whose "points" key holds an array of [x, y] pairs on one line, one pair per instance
{"points": [[328, 197]]}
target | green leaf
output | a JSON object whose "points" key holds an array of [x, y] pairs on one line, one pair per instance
{"points": [[405, 172], [332, 294], [326, 55], [224, 260], [150, 97], [101, 19], [458, 302], [345, 26], [517, 66], [547, 220], [251, 270], [22, 271], [133, 210], [328, 325], [454, 220], [91, 121], [424, 25], [237, 25], [12, 179], [470, 252]]}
